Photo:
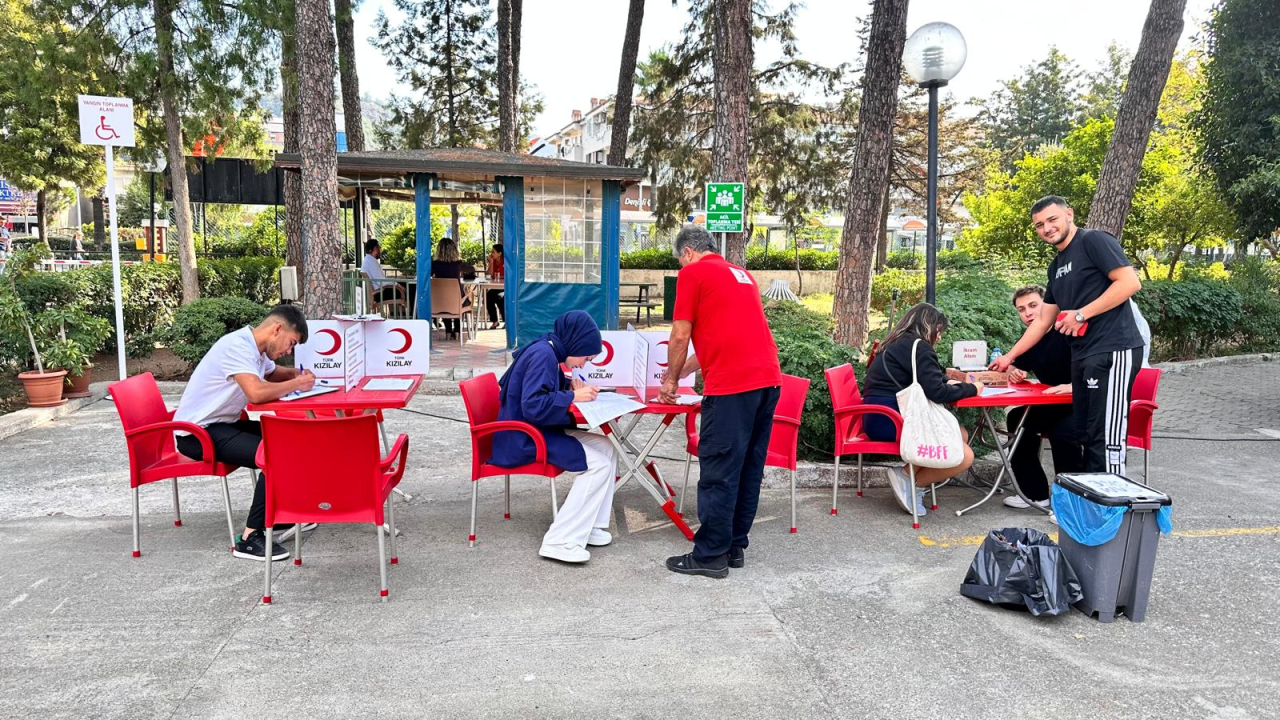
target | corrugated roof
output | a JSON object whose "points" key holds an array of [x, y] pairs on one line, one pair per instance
{"points": [[470, 161]]}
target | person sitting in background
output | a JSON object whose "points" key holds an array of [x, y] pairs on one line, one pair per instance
{"points": [[535, 391], [240, 369], [890, 372], [383, 289], [447, 263], [494, 297], [1050, 361]]}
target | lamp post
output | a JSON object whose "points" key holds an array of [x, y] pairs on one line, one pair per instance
{"points": [[932, 56]]}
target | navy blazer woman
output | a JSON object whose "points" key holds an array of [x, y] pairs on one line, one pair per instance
{"points": [[535, 390]]}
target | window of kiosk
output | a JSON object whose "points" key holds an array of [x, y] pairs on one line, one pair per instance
{"points": [[562, 231]]}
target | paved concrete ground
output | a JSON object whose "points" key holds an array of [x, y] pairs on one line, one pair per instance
{"points": [[856, 616]]}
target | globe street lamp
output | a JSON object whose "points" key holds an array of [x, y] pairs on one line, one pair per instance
{"points": [[932, 56]]}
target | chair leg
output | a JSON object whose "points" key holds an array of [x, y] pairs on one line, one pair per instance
{"points": [[253, 480], [1146, 467], [911, 500], [793, 501], [835, 488], [684, 489], [137, 550], [391, 519], [297, 545], [474, 489], [382, 560], [266, 566], [177, 511], [386, 447], [226, 502], [933, 491], [859, 475], [507, 514], [555, 510]]}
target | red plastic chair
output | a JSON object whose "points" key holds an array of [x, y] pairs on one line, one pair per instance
{"points": [[846, 399], [329, 470], [782, 444], [1142, 405], [480, 394], [153, 456]]}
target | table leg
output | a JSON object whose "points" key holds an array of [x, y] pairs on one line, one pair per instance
{"points": [[986, 423], [667, 504], [651, 466]]}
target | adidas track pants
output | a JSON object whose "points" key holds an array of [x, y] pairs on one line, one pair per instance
{"points": [[1100, 388]]}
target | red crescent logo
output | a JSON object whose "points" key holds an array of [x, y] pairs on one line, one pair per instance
{"points": [[607, 353], [408, 340], [337, 342], [662, 364]]}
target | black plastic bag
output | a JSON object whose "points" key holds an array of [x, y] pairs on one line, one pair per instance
{"points": [[1022, 567]]}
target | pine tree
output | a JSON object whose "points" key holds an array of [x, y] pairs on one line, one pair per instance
{"points": [[322, 293], [622, 100], [1040, 106]]}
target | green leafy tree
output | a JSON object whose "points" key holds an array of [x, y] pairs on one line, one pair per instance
{"points": [[1104, 87], [1240, 117], [1038, 107]]}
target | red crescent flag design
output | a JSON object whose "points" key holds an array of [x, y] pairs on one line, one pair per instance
{"points": [[607, 353], [408, 340], [337, 342]]}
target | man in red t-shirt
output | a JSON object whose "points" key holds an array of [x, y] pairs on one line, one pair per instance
{"points": [[718, 306]]}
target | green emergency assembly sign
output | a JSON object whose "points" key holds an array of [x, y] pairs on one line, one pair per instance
{"points": [[725, 207]]}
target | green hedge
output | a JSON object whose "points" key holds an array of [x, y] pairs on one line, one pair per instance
{"points": [[806, 349], [399, 249], [650, 259], [198, 325], [757, 259], [908, 283], [1190, 318]]}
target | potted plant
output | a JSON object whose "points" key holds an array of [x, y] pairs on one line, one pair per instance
{"points": [[43, 386], [78, 337]]}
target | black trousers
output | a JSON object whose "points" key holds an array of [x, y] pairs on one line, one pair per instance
{"points": [[1100, 388], [235, 444], [1054, 422], [493, 304], [732, 445]]}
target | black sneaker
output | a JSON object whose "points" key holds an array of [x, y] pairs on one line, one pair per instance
{"points": [[284, 531], [737, 558], [686, 565], [254, 548]]}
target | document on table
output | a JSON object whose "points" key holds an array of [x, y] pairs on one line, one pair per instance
{"points": [[994, 391], [606, 407], [317, 390], [688, 399], [388, 384]]}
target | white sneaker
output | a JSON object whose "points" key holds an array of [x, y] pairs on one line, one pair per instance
{"points": [[599, 537], [1053, 518], [1014, 501], [901, 484], [920, 511], [565, 553]]}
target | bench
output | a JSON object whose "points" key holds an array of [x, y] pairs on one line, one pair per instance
{"points": [[646, 305]]}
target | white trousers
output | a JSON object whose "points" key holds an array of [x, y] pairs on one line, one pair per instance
{"points": [[590, 501]]}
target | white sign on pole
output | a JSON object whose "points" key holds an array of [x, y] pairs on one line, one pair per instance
{"points": [[108, 121]]}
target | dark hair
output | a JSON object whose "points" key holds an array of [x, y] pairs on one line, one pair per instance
{"points": [[1027, 290], [924, 321], [695, 238], [1048, 200], [370, 245], [496, 247], [291, 316]]}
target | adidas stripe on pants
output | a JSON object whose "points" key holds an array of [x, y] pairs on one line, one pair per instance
{"points": [[1100, 389]]}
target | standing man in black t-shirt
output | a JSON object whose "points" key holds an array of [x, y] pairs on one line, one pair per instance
{"points": [[1050, 361], [1090, 283]]}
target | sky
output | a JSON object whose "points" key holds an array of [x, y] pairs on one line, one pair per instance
{"points": [[570, 48]]}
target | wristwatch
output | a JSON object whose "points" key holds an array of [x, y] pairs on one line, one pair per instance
{"points": [[1079, 316]]}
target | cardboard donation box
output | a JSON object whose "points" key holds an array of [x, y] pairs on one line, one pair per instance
{"points": [[353, 347], [988, 378]]}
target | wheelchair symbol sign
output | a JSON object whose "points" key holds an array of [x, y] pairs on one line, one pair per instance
{"points": [[106, 121]]}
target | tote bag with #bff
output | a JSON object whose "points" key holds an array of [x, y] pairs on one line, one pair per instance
{"points": [[930, 434]]}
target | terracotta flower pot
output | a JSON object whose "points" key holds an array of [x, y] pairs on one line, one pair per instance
{"points": [[43, 389], [77, 387]]}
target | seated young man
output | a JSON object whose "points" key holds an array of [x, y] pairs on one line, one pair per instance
{"points": [[1050, 361], [239, 369], [383, 290]]}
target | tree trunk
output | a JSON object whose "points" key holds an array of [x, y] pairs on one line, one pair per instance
{"points": [[869, 177], [882, 242], [1137, 115], [292, 180], [1173, 262], [42, 210], [181, 234], [453, 226], [348, 78], [732, 57], [506, 81], [322, 294], [626, 85]]}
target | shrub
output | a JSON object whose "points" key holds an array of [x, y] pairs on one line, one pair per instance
{"points": [[150, 292], [649, 259], [904, 260], [910, 287], [254, 278], [198, 325], [399, 249], [758, 259], [1190, 317], [958, 260], [979, 308], [41, 289], [1258, 283], [805, 349]]}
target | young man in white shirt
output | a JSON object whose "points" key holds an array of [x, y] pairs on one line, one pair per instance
{"points": [[383, 289], [239, 369]]}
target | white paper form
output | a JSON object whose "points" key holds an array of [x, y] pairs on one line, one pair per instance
{"points": [[994, 391], [375, 384], [316, 390], [606, 407]]}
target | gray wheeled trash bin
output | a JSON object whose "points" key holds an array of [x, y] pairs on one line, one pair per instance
{"points": [[1109, 535]]}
